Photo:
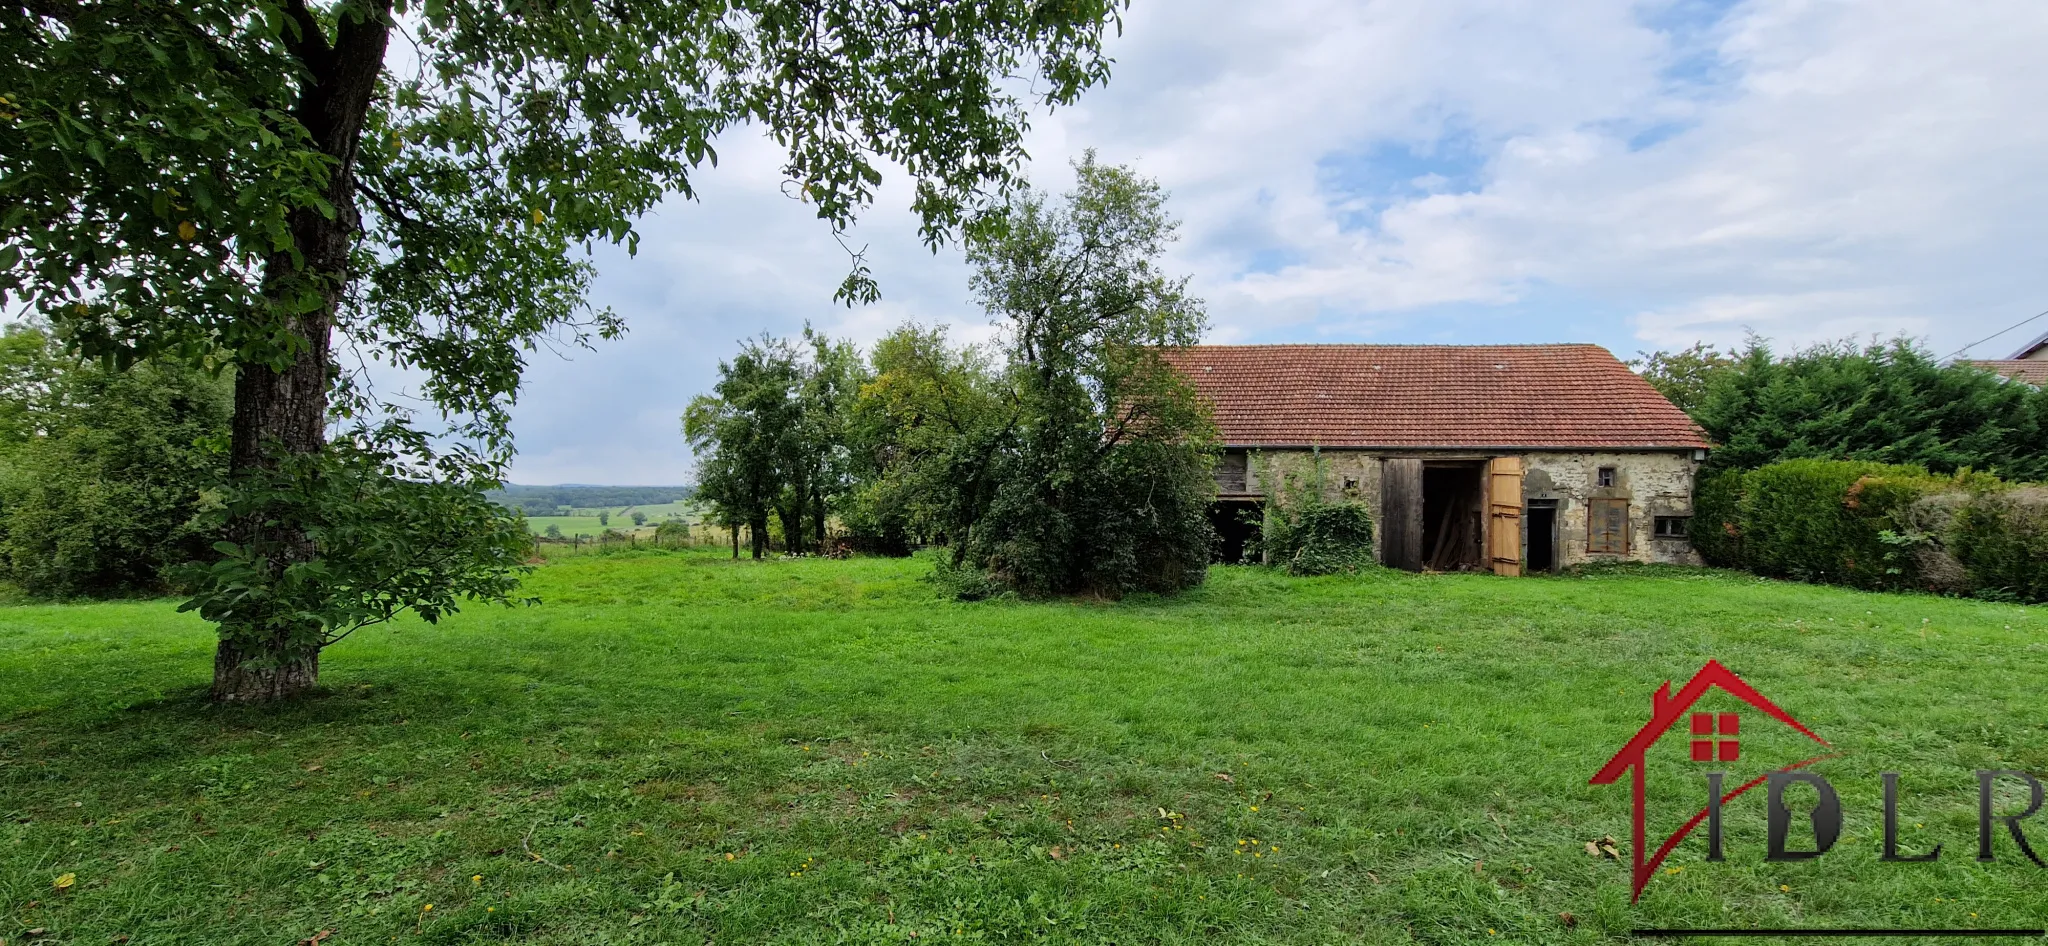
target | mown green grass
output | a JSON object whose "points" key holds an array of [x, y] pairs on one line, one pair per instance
{"points": [[677, 748]]}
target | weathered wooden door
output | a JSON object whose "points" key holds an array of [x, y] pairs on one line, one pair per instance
{"points": [[1401, 513], [1504, 515], [1607, 526]]}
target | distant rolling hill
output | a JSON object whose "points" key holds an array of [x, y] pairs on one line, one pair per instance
{"points": [[545, 500]]}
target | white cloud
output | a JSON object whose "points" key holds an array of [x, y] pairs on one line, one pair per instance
{"points": [[1639, 174]]}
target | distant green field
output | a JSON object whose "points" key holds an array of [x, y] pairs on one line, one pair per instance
{"points": [[586, 522]]}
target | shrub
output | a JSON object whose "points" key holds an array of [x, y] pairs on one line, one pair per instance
{"points": [[1303, 529], [672, 532], [1320, 538], [104, 474], [965, 582], [2001, 540], [877, 519]]}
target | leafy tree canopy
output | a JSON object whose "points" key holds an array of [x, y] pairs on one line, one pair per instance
{"points": [[1683, 376], [772, 437], [270, 186]]}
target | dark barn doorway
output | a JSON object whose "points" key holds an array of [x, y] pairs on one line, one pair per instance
{"points": [[1453, 514], [1541, 519], [1236, 523]]}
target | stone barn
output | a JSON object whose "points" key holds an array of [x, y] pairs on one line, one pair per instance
{"points": [[1504, 457]]}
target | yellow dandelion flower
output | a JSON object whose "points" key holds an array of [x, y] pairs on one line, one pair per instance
{"points": [[1255, 807], [1786, 888], [476, 878], [429, 907]]}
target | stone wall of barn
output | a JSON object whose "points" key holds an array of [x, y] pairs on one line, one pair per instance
{"points": [[1654, 484]]}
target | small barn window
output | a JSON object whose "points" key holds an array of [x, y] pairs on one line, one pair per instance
{"points": [[1606, 476], [1607, 526], [1672, 527]]}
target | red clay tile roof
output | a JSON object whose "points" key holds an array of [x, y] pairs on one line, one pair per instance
{"points": [[2030, 372], [1452, 396]]}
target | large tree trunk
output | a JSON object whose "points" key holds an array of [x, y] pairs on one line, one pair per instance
{"points": [[282, 411], [792, 516]]}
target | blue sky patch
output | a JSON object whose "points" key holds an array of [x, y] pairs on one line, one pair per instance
{"points": [[1363, 183]]}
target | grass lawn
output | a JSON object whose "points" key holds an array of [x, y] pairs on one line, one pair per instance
{"points": [[677, 748]]}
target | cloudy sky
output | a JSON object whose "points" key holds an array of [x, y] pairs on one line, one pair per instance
{"points": [[1641, 175]]}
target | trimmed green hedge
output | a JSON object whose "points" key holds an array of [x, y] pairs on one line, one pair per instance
{"points": [[2001, 539], [1877, 526]]}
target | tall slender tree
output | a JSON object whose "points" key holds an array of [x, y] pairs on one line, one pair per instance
{"points": [[1107, 487], [1079, 462], [264, 184]]}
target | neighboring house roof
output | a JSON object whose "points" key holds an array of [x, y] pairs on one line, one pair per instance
{"points": [[2033, 349], [2030, 372], [1440, 396]]}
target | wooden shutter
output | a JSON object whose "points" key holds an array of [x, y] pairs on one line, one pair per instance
{"points": [[1607, 526], [1504, 514], [1230, 473], [1401, 513]]}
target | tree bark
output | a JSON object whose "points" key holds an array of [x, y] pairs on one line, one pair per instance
{"points": [[792, 517], [281, 411]]}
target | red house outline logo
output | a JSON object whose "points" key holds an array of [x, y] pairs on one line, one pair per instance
{"points": [[1713, 736]]}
